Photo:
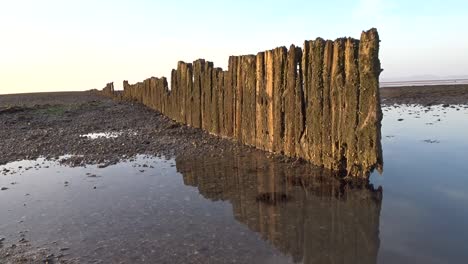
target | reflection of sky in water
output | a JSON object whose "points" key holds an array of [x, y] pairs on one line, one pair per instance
{"points": [[146, 210], [425, 185], [106, 135], [102, 135]]}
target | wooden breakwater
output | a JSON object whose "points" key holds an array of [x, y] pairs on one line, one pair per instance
{"points": [[320, 102]]}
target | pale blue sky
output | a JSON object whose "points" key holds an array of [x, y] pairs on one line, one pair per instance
{"points": [[52, 45]]}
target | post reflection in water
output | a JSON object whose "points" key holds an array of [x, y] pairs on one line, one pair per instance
{"points": [[298, 208]]}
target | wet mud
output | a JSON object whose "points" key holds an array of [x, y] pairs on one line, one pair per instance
{"points": [[96, 130], [425, 95]]}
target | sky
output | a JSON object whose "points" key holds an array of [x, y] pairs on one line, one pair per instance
{"points": [[60, 45]]}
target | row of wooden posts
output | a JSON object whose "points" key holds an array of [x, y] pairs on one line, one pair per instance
{"points": [[320, 102]]}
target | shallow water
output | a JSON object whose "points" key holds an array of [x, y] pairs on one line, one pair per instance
{"points": [[250, 209], [424, 217], [106, 135]]}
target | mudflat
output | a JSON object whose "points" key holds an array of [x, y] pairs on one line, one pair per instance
{"points": [[95, 129], [50, 98], [425, 95]]}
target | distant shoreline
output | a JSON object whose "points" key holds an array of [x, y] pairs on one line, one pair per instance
{"points": [[423, 82], [453, 91]]}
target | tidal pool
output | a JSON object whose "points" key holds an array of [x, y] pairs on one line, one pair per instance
{"points": [[107, 134], [250, 209]]}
